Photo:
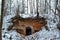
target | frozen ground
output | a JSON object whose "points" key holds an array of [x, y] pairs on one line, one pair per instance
{"points": [[52, 34]]}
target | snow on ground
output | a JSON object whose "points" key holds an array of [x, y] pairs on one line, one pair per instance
{"points": [[52, 34]]}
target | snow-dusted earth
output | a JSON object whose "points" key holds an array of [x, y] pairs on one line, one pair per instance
{"points": [[52, 34]]}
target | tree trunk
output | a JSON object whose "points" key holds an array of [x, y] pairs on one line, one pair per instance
{"points": [[37, 10], [2, 13]]}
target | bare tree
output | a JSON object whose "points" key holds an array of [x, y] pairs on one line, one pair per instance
{"points": [[56, 5], [2, 13], [10, 6], [45, 5], [23, 7], [58, 9], [37, 10]]}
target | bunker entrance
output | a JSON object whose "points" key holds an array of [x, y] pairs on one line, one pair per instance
{"points": [[28, 31]]}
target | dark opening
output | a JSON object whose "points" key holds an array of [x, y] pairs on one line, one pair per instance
{"points": [[28, 31], [36, 30]]}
